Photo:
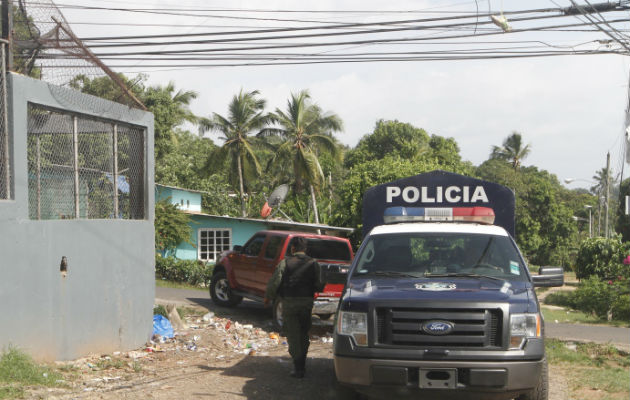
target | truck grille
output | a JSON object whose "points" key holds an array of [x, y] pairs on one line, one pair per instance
{"points": [[477, 328]]}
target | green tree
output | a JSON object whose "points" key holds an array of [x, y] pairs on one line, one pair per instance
{"points": [[545, 230], [171, 226], [245, 117], [305, 130], [170, 110], [512, 150], [389, 138]]}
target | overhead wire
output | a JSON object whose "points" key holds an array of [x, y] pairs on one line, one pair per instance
{"points": [[328, 44]]}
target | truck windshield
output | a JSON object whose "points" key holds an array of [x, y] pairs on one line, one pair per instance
{"points": [[323, 249], [436, 254]]}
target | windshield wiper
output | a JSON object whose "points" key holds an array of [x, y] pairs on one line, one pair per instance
{"points": [[463, 275], [392, 273]]}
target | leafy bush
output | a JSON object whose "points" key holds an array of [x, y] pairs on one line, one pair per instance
{"points": [[171, 226], [605, 299], [602, 257], [188, 271], [562, 299], [593, 296]]}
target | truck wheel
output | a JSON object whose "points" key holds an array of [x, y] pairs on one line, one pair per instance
{"points": [[541, 391], [221, 292], [277, 314]]}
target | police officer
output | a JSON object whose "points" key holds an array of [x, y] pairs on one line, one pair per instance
{"points": [[296, 280]]}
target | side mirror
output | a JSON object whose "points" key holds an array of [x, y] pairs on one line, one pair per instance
{"points": [[238, 248], [549, 276]]}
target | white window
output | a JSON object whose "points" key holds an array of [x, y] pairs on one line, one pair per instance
{"points": [[212, 242]]}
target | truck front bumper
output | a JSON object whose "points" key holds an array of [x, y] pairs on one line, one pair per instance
{"points": [[325, 305], [442, 378]]}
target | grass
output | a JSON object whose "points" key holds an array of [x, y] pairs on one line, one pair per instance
{"points": [[177, 285], [567, 316], [113, 363], [18, 370], [592, 368]]}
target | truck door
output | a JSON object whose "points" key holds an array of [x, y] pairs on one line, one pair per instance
{"points": [[244, 265], [269, 260]]}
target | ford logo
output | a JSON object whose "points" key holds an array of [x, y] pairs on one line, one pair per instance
{"points": [[437, 327]]}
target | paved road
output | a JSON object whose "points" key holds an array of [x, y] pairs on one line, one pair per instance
{"points": [[619, 337]]}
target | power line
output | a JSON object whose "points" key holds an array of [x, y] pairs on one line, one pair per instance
{"points": [[330, 44]]}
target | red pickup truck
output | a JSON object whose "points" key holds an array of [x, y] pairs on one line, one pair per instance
{"points": [[245, 271]]}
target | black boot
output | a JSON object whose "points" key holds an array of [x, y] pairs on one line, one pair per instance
{"points": [[298, 368]]}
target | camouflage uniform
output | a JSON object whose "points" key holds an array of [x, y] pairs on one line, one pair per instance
{"points": [[296, 280]]}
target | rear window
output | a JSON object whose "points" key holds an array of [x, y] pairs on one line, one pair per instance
{"points": [[324, 249]]}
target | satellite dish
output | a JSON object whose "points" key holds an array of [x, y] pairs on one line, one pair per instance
{"points": [[274, 202], [278, 195]]}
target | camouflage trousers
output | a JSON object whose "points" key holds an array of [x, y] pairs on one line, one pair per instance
{"points": [[296, 315]]}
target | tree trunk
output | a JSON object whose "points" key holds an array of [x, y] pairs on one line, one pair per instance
{"points": [[314, 202], [240, 182]]}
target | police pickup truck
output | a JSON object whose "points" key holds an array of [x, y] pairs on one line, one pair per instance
{"points": [[439, 301]]}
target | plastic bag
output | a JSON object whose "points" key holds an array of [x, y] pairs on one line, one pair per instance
{"points": [[162, 326]]}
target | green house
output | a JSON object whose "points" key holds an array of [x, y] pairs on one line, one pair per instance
{"points": [[213, 234]]}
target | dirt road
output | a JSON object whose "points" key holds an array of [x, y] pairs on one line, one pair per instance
{"points": [[208, 361]]}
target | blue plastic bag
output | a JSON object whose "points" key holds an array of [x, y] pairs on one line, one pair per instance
{"points": [[162, 326]]}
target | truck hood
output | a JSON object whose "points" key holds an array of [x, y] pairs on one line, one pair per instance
{"points": [[440, 289]]}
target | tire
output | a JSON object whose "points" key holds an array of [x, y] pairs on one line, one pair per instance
{"points": [[221, 292], [541, 391], [324, 317], [277, 315]]}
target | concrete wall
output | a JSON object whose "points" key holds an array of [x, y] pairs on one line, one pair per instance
{"points": [[105, 301]]}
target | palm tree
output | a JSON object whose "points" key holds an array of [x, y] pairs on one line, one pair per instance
{"points": [[512, 150], [305, 129], [600, 181], [170, 109], [245, 116]]}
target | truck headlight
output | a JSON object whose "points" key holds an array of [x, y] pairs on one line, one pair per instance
{"points": [[353, 324], [523, 326]]}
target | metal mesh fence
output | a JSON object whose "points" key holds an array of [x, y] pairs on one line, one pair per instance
{"points": [[81, 167], [45, 47], [6, 177]]}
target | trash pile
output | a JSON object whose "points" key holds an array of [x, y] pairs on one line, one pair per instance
{"points": [[236, 338], [209, 339]]}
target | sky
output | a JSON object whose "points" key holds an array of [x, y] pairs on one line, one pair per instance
{"points": [[569, 109]]}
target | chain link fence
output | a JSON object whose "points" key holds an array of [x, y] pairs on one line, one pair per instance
{"points": [[82, 167], [6, 177]]}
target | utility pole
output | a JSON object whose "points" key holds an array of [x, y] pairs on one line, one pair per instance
{"points": [[606, 233], [7, 30]]}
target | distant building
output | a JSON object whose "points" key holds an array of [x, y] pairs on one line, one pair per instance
{"points": [[213, 234]]}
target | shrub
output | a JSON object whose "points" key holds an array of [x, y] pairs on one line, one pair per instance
{"points": [[562, 299], [602, 257], [192, 272], [593, 296], [605, 299]]}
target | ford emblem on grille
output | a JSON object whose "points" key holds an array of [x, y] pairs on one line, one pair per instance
{"points": [[437, 327]]}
